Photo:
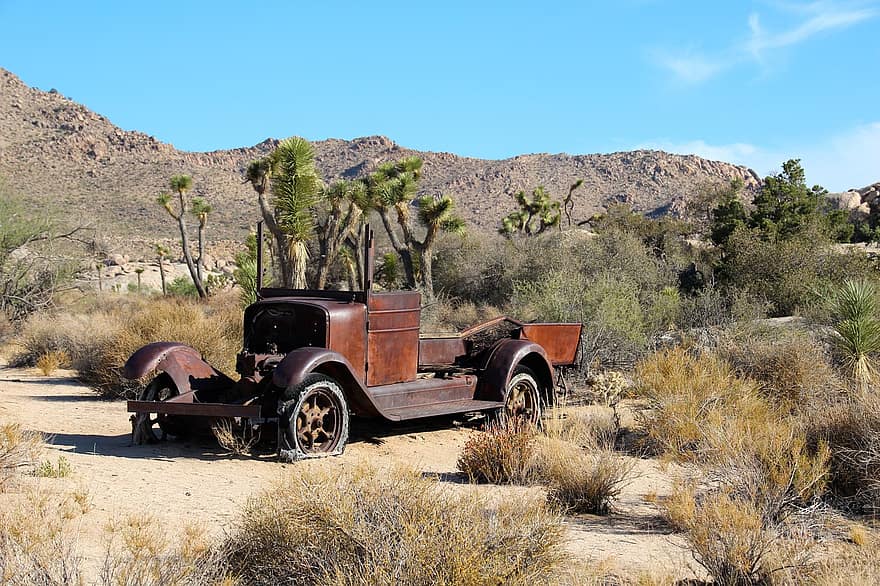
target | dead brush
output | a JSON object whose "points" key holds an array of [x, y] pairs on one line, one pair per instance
{"points": [[236, 438], [19, 448], [581, 481], [397, 527], [502, 454], [51, 361], [726, 535], [38, 541], [139, 552], [793, 370]]}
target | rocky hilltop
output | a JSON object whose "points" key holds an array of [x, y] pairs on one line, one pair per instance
{"points": [[59, 154]]}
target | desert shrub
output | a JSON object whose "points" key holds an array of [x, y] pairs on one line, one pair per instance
{"points": [[445, 314], [140, 552], [182, 286], [46, 469], [237, 439], [849, 566], [363, 527], [700, 411], [715, 306], [502, 454], [789, 273], [852, 431], [581, 481], [729, 537], [38, 545], [854, 307], [101, 338], [19, 448], [793, 369], [51, 361]]}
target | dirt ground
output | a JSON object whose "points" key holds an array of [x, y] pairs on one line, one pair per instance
{"points": [[196, 480]]}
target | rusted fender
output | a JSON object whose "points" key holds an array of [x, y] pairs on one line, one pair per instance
{"points": [[182, 363], [302, 362], [502, 362]]}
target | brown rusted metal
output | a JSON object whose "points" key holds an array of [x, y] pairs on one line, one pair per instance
{"points": [[560, 341], [441, 352], [393, 337], [195, 409]]}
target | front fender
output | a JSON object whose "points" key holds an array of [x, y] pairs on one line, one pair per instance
{"points": [[182, 363], [502, 362], [300, 363]]}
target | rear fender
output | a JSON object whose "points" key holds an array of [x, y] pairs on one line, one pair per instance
{"points": [[182, 363], [300, 363], [501, 364]]}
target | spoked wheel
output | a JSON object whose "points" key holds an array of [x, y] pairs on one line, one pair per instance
{"points": [[523, 402], [143, 426], [314, 419]]}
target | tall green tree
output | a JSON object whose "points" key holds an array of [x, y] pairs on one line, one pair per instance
{"points": [[340, 222], [181, 185], [785, 204]]}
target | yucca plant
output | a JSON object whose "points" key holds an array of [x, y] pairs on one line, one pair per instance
{"points": [[857, 329]]}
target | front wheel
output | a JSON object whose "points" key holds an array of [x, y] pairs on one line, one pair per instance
{"points": [[314, 419], [523, 399], [143, 428]]}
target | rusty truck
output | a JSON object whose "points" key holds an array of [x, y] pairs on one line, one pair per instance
{"points": [[311, 360]]}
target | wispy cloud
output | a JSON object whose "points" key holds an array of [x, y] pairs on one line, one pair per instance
{"points": [[811, 20], [846, 160]]}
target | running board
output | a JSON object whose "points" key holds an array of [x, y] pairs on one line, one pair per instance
{"points": [[447, 408], [195, 409]]}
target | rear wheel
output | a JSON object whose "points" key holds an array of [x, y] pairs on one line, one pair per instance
{"points": [[523, 398], [144, 425], [314, 419]]}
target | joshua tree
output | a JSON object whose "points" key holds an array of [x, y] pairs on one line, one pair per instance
{"points": [[341, 223], [296, 189], [258, 174], [200, 209], [534, 216], [181, 184], [139, 271], [392, 188], [568, 202], [162, 252]]}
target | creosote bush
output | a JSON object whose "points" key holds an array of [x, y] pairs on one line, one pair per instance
{"points": [[397, 527]]}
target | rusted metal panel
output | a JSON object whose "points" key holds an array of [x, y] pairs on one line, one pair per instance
{"points": [[502, 362], [393, 337], [196, 409], [440, 351], [182, 363], [560, 341], [425, 391], [348, 335]]}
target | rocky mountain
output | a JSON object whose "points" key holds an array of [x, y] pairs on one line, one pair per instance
{"points": [[62, 156]]}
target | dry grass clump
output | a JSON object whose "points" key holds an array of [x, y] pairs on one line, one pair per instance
{"points": [[38, 541], [363, 527], [19, 448], [852, 432], [572, 457], [51, 361], [140, 552], [793, 370], [503, 454], [101, 338], [732, 540], [237, 439]]}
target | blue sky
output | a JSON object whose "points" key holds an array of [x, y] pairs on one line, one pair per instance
{"points": [[754, 83]]}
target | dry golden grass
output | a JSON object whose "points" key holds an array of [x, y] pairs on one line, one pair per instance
{"points": [[19, 448], [51, 361], [140, 552], [38, 541], [101, 338], [397, 527], [238, 440]]}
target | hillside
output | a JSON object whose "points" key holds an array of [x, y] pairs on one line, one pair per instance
{"points": [[59, 153]]}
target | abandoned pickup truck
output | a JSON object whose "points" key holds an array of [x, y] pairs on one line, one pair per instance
{"points": [[311, 359]]}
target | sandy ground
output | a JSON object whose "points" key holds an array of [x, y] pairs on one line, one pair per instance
{"points": [[197, 481]]}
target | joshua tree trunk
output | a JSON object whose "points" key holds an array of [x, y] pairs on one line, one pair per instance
{"points": [[199, 263], [402, 250], [187, 255], [162, 275]]}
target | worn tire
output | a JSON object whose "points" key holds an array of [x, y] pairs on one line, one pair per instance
{"points": [[160, 388], [313, 419], [523, 400]]}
